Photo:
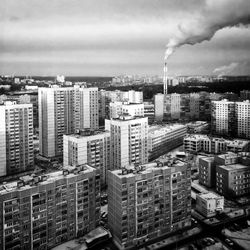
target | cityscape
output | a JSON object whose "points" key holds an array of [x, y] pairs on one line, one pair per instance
{"points": [[125, 125]]}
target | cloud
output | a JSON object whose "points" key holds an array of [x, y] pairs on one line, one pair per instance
{"points": [[234, 68], [215, 15]]}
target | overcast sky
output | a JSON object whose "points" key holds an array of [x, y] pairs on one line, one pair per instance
{"points": [[111, 37]]}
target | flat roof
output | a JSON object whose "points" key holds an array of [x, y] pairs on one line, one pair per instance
{"points": [[164, 128], [209, 195], [50, 178], [85, 134], [232, 167], [132, 170]]}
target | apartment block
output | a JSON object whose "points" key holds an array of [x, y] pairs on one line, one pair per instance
{"points": [[243, 118], [40, 212], [163, 138], [148, 201], [233, 180], [91, 147], [128, 141], [65, 111], [223, 117], [16, 138]]}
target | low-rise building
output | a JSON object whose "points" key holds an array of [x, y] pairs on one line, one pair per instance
{"points": [[163, 138], [147, 201], [209, 204], [197, 127], [195, 143], [233, 180], [40, 212]]}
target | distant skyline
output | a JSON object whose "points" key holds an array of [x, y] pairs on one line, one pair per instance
{"points": [[113, 37]]}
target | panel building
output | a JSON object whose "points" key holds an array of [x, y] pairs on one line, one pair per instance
{"points": [[231, 118], [41, 212], [65, 111], [91, 147], [148, 201], [128, 141], [16, 138]]}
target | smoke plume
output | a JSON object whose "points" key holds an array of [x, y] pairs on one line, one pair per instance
{"points": [[214, 15], [226, 69]]}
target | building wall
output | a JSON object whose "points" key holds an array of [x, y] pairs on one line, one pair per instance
{"points": [[162, 141], [50, 213], [128, 141], [146, 205], [93, 150], [207, 172], [159, 106], [17, 137], [3, 164]]}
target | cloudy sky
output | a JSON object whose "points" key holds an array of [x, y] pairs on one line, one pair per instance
{"points": [[111, 37]]}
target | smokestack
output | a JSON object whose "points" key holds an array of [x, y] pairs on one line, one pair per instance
{"points": [[214, 15], [165, 77]]}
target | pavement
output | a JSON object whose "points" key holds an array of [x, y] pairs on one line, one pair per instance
{"points": [[240, 237]]}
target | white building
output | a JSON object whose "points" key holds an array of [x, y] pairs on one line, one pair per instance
{"points": [[159, 106], [16, 138], [133, 96], [209, 204], [65, 111], [128, 141], [223, 117], [88, 147], [117, 109], [198, 142]]}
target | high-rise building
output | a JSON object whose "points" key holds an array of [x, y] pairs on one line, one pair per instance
{"points": [[128, 141], [56, 117], [16, 138], [231, 118], [40, 212], [89, 110], [223, 117], [65, 111], [148, 201], [91, 147], [243, 118], [159, 106]]}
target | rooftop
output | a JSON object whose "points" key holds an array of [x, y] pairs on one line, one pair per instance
{"points": [[134, 170], [30, 181], [156, 129], [88, 133], [232, 167], [209, 195], [227, 155]]}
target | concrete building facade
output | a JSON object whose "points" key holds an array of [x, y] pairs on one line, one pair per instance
{"points": [[148, 201], [88, 147], [128, 141], [162, 139], [41, 212], [16, 138]]}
